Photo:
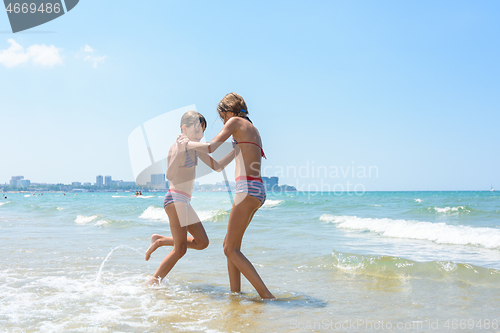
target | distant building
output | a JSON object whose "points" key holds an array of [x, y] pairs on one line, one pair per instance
{"points": [[285, 188], [271, 183], [107, 181], [158, 181], [14, 180], [221, 186], [76, 184], [19, 181], [23, 183], [98, 181], [87, 184], [125, 184], [116, 182]]}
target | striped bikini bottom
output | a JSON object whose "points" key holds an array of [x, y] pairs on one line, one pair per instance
{"points": [[253, 186], [176, 196]]}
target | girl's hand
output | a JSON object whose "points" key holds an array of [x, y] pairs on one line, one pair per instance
{"points": [[182, 141]]}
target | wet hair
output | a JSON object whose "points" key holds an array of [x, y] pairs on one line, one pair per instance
{"points": [[234, 103], [192, 117]]}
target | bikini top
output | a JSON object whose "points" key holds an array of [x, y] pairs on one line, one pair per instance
{"points": [[253, 143], [189, 161]]}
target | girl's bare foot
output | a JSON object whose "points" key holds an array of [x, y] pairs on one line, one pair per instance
{"points": [[269, 296], [153, 281], [154, 245]]}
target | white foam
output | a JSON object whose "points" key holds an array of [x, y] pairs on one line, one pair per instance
{"points": [[154, 213], [82, 219], [272, 203], [59, 208], [3, 203], [101, 222], [34, 302], [418, 200], [450, 209], [27, 195], [447, 266], [328, 218], [440, 233], [158, 214]]}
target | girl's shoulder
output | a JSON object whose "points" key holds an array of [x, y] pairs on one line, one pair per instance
{"points": [[240, 122], [172, 151], [232, 125]]}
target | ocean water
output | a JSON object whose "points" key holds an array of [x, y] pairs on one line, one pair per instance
{"points": [[382, 261]]}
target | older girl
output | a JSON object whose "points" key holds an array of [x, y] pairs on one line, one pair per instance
{"points": [[250, 192]]}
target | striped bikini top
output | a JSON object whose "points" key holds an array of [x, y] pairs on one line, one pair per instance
{"points": [[189, 161], [253, 143]]}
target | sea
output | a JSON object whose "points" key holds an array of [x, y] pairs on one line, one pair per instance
{"points": [[375, 262]]}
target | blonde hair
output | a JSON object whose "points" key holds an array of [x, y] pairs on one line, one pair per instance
{"points": [[234, 103], [192, 117]]}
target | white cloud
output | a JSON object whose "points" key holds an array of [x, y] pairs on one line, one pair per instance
{"points": [[14, 55], [45, 55], [42, 55], [91, 58], [87, 48], [95, 60]]}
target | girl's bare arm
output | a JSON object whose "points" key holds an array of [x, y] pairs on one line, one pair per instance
{"points": [[208, 147], [217, 165]]}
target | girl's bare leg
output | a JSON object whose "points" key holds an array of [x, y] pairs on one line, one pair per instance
{"points": [[239, 219], [199, 241], [233, 271], [176, 213]]}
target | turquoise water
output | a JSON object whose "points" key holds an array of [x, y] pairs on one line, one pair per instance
{"points": [[75, 263]]}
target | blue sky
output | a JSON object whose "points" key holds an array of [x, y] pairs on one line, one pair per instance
{"points": [[409, 88]]}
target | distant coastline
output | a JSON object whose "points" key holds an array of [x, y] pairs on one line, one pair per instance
{"points": [[60, 188], [145, 190]]}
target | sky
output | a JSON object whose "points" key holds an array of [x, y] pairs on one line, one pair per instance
{"points": [[407, 90]]}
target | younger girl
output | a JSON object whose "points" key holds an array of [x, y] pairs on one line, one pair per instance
{"points": [[181, 174], [250, 191]]}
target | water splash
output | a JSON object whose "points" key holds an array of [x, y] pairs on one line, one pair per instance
{"points": [[98, 277]]}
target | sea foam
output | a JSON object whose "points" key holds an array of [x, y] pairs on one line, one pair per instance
{"points": [[82, 219], [101, 222], [158, 214], [154, 213], [272, 203], [451, 209], [440, 233]]}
